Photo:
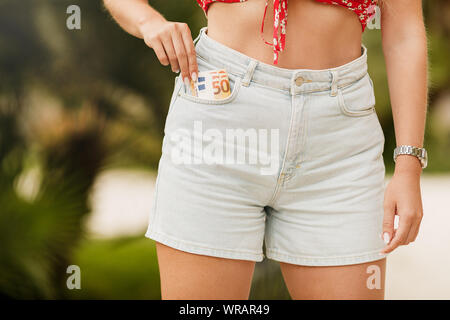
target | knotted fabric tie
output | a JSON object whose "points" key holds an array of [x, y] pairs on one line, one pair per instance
{"points": [[279, 27]]}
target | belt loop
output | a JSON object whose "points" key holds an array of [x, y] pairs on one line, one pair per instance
{"points": [[292, 84], [249, 73], [334, 83]]}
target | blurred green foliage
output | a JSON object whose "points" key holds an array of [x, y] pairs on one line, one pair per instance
{"points": [[127, 268], [123, 268], [73, 103]]}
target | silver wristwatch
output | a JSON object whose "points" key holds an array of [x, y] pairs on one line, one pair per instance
{"points": [[420, 153]]}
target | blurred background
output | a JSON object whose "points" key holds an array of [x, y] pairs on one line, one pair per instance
{"points": [[81, 123]]}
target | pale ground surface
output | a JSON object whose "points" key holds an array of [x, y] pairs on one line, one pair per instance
{"points": [[121, 201]]}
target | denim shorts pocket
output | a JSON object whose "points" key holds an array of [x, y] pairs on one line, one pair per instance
{"points": [[235, 85], [203, 65], [357, 99]]}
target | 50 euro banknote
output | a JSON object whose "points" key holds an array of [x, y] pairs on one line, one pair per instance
{"points": [[211, 84]]}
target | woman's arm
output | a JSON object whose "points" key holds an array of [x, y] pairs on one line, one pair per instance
{"points": [[405, 50], [171, 41]]}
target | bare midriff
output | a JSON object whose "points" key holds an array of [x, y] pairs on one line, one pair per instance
{"points": [[318, 36]]}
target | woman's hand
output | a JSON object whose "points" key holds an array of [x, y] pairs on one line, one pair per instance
{"points": [[403, 198], [172, 43]]}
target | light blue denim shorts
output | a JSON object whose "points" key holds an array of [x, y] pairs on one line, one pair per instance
{"points": [[292, 160]]}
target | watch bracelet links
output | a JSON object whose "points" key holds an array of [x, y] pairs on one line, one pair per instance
{"points": [[420, 153]]}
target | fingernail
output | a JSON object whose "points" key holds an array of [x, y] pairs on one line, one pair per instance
{"points": [[194, 76], [176, 71], [386, 238]]}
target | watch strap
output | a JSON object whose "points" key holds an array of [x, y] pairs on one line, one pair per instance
{"points": [[420, 153]]}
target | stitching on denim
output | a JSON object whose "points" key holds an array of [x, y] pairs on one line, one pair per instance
{"points": [[302, 155], [281, 178], [196, 245], [310, 258], [348, 112]]}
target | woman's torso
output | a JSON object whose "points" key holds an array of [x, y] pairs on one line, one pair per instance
{"points": [[318, 35]]}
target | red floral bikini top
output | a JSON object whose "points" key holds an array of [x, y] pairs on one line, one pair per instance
{"points": [[365, 9]]}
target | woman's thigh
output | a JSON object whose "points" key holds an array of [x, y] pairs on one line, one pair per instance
{"points": [[359, 282], [197, 277]]}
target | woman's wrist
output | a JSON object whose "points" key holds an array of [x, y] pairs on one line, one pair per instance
{"points": [[408, 164], [148, 22]]}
